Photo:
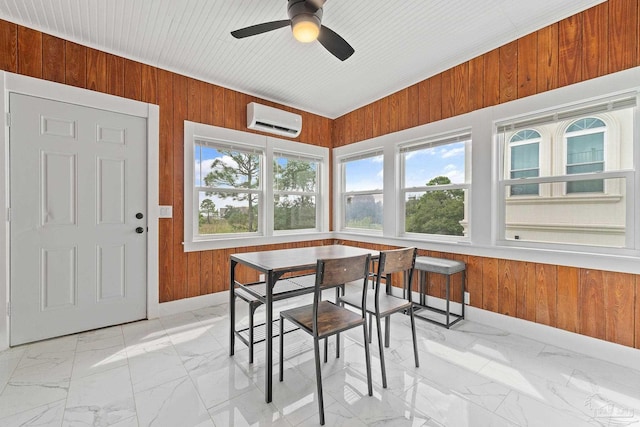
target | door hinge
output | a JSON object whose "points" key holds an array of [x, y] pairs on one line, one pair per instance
{"points": [[8, 119]]}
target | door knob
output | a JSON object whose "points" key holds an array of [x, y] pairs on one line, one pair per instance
{"points": [[139, 230], [139, 215]]}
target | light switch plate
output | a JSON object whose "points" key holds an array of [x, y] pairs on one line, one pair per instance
{"points": [[166, 212]]}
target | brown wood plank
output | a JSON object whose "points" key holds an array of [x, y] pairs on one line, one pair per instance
{"points": [[8, 46], [369, 113], [75, 65], [490, 295], [404, 118], [423, 102], [474, 281], [413, 105], [570, 50], [207, 115], [29, 52], [619, 298], [546, 294], [623, 34], [476, 83], [547, 71], [435, 98], [229, 109], [567, 304], [218, 106], [165, 102], [507, 285], [53, 58], [527, 65], [595, 38], [149, 84], [132, 80], [591, 303], [637, 316], [193, 274], [206, 272], [461, 88], [491, 78], [115, 75], [194, 101], [359, 131], [447, 94], [385, 124], [394, 112], [180, 107], [526, 291], [96, 70], [509, 72]]}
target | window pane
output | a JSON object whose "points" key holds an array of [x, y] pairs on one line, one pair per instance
{"points": [[442, 164], [363, 174], [295, 174], [567, 219], [228, 213], [435, 212], [524, 189], [363, 211], [585, 148], [525, 156], [294, 212], [227, 168]]}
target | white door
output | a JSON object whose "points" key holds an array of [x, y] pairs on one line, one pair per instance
{"points": [[78, 218]]}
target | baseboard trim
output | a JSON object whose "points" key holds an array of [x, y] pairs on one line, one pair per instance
{"points": [[593, 347], [194, 303]]}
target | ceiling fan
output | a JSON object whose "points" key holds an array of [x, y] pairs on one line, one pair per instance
{"points": [[304, 17]]}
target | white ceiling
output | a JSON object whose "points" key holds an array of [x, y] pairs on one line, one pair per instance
{"points": [[397, 43]]}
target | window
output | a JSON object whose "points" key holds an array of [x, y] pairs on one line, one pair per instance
{"points": [[435, 186], [525, 160], [253, 188], [228, 188], [585, 153], [578, 162], [295, 192], [362, 191]]}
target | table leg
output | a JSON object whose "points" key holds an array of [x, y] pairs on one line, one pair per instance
{"points": [[271, 279], [232, 308]]}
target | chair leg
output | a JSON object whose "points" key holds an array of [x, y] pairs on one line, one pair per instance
{"points": [[415, 341], [370, 327], [387, 330], [281, 348], [316, 348], [367, 356], [326, 350], [252, 311], [382, 368]]}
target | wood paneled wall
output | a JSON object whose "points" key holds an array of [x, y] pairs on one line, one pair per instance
{"points": [[601, 40], [598, 41], [32, 53]]}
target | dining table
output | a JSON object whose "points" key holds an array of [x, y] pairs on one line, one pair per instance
{"points": [[274, 264]]}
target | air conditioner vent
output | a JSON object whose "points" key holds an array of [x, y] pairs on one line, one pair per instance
{"points": [[268, 119]]}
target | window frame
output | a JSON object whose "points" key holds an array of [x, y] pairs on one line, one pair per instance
{"points": [[194, 132], [431, 142], [565, 146], [559, 178]]}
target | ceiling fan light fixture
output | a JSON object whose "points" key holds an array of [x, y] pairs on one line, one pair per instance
{"points": [[305, 29]]}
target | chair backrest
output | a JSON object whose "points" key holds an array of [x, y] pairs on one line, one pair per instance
{"points": [[334, 272], [395, 261]]}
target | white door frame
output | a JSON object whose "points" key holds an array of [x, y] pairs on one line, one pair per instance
{"points": [[10, 82]]}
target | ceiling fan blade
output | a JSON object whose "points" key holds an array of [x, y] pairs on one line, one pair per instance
{"points": [[259, 28], [335, 44]]}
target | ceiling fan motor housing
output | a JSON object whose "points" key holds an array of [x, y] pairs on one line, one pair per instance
{"points": [[301, 10]]}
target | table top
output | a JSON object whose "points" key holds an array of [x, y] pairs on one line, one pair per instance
{"points": [[298, 258]]}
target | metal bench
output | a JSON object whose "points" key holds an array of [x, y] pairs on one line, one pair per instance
{"points": [[448, 267]]}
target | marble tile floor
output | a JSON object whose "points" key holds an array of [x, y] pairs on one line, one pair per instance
{"points": [[176, 371]]}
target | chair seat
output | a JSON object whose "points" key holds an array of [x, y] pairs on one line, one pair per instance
{"points": [[388, 304], [439, 265], [331, 318]]}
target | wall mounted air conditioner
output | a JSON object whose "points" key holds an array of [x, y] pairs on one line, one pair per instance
{"points": [[268, 119]]}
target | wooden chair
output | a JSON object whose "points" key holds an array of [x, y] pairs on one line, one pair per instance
{"points": [[323, 319], [382, 305]]}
